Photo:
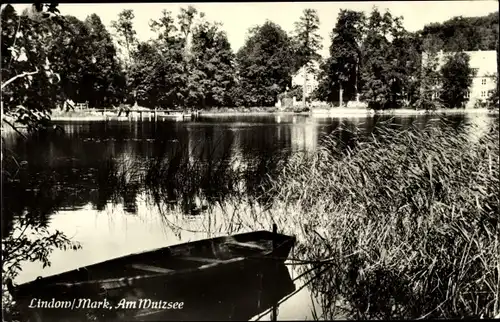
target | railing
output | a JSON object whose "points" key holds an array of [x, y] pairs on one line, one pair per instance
{"points": [[81, 106], [132, 113]]}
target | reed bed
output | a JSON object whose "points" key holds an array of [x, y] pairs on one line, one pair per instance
{"points": [[190, 177], [409, 217], [201, 178]]}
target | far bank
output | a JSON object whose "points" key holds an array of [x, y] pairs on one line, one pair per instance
{"points": [[95, 115]]}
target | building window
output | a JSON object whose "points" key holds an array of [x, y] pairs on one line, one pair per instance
{"points": [[483, 93], [467, 94], [483, 81]]}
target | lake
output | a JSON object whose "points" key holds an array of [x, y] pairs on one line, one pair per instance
{"points": [[126, 187]]}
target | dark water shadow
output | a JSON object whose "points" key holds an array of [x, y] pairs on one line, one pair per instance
{"points": [[238, 294]]}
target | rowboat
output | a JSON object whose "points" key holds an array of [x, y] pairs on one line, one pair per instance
{"points": [[181, 269], [250, 292]]}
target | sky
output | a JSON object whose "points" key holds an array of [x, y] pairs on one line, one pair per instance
{"points": [[238, 17]]}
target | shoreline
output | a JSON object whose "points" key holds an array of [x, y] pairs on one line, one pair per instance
{"points": [[92, 116], [334, 112]]}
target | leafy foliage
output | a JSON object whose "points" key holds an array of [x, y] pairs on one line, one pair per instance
{"points": [[30, 240], [390, 60], [152, 71], [214, 60], [493, 101], [189, 64], [265, 65], [30, 86], [429, 98], [126, 34], [377, 58], [106, 81], [307, 43], [456, 80], [306, 38], [26, 45], [342, 68], [465, 33], [19, 246], [55, 58]]}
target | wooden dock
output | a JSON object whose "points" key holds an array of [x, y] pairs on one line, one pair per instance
{"points": [[143, 114]]}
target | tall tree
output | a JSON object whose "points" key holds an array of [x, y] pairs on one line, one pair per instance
{"points": [[157, 74], [342, 68], [214, 61], [127, 40], [375, 46], [186, 21], [265, 64], [108, 81], [125, 32], [405, 66], [384, 69], [147, 75], [164, 27], [72, 54], [193, 90], [456, 80], [163, 75], [308, 43], [429, 98]]}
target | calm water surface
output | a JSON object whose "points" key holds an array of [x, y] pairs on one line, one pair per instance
{"points": [[92, 183]]}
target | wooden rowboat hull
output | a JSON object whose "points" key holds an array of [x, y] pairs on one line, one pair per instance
{"points": [[245, 294], [190, 266]]}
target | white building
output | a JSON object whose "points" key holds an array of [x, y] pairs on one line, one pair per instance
{"points": [[484, 64], [311, 74]]}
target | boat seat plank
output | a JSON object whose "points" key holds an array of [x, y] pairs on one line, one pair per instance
{"points": [[245, 245], [149, 268], [202, 259]]}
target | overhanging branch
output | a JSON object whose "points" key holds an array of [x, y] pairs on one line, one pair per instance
{"points": [[13, 127], [18, 76]]}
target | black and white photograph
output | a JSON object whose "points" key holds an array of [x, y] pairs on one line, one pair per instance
{"points": [[250, 161]]}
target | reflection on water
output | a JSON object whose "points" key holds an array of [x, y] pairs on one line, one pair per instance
{"points": [[126, 187], [238, 294]]}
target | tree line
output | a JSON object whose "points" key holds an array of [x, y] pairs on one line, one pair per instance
{"points": [[189, 63], [373, 58]]}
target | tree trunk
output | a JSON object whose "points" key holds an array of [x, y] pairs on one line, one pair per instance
{"points": [[304, 88], [341, 92], [356, 82]]}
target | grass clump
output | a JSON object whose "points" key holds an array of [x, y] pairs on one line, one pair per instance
{"points": [[410, 217]]}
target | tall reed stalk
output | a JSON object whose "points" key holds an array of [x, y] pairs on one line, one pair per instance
{"points": [[410, 217]]}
